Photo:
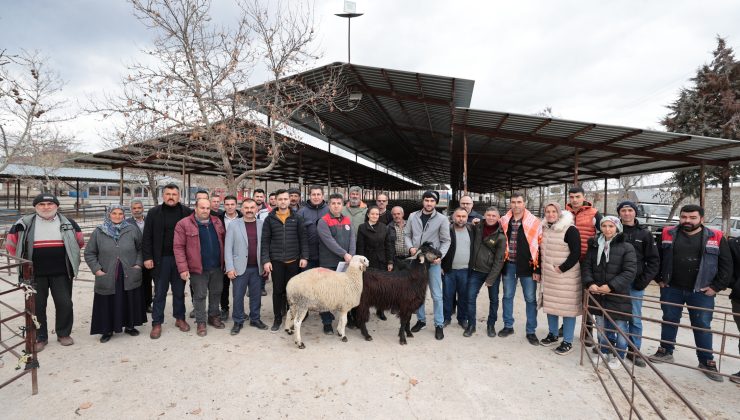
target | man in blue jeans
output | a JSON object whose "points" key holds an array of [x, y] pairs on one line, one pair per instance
{"points": [[522, 230], [648, 264], [241, 261], [455, 266], [696, 265], [426, 225]]}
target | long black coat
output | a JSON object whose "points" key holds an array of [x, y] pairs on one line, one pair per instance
{"points": [[618, 273], [153, 235], [375, 244]]}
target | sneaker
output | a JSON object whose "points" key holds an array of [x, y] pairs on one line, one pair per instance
{"points": [[328, 330], [505, 332], [533, 340], [614, 362], [710, 369], [549, 340], [735, 377], [439, 333], [661, 356], [636, 360], [420, 325], [564, 348]]}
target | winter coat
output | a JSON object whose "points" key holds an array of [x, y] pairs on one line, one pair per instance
{"points": [[103, 253], [436, 231], [311, 215], [356, 215], [561, 292], [488, 252], [734, 245], [618, 273], [374, 243], [283, 242], [153, 239], [715, 268], [447, 260], [186, 245], [646, 252]]}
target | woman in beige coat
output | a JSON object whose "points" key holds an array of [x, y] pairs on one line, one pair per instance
{"points": [[560, 274]]}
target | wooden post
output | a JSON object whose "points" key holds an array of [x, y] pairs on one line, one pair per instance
{"points": [[187, 191], [77, 204]]}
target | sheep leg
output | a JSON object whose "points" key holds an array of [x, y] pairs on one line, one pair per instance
{"points": [[290, 322], [408, 327], [341, 326], [299, 315], [363, 330]]}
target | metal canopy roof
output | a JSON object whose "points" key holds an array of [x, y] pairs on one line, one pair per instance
{"points": [[403, 120], [507, 150], [65, 174], [164, 154]]}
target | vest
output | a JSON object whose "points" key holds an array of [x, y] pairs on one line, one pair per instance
{"points": [[341, 231], [584, 220], [561, 292]]}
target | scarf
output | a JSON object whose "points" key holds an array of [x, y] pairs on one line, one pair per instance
{"points": [[113, 229], [603, 243], [532, 231]]}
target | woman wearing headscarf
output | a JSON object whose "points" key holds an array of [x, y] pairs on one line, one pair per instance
{"points": [[114, 256], [560, 274], [608, 269]]}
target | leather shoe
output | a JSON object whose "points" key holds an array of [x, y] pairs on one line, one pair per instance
{"points": [[106, 337], [439, 333], [258, 324], [215, 321], [156, 332], [236, 328], [533, 340], [182, 325], [202, 331], [65, 341], [463, 324], [505, 332], [276, 324], [133, 332], [40, 345], [491, 331], [470, 330]]}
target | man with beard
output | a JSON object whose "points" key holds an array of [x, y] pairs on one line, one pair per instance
{"points": [[696, 265], [157, 250], [272, 200], [456, 268], [137, 218], [259, 198], [314, 209], [355, 209], [52, 242], [295, 198], [242, 256], [227, 217]]}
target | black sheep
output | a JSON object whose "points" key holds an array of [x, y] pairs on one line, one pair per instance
{"points": [[403, 291]]}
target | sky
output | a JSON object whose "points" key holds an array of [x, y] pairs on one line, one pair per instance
{"points": [[610, 62]]}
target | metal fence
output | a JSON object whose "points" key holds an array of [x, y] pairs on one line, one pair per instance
{"points": [[632, 397], [18, 328]]}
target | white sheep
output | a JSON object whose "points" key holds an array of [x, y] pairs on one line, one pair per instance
{"points": [[324, 290]]}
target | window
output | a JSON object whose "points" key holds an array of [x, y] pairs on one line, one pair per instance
{"points": [[113, 191], [93, 190]]}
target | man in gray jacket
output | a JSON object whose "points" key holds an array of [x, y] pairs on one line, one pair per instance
{"points": [[241, 258], [426, 225]]}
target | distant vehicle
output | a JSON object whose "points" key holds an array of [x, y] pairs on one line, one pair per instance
{"points": [[716, 223], [655, 215]]}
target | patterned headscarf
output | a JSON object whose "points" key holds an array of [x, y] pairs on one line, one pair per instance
{"points": [[111, 229]]}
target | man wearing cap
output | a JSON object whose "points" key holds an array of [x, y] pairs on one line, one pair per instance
{"points": [[426, 225], [648, 264], [295, 198], [355, 209], [52, 242]]}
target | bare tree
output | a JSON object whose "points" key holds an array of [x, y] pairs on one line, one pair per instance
{"points": [[186, 89], [627, 184], [30, 106]]}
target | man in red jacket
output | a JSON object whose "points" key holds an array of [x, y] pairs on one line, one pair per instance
{"points": [[199, 253]]}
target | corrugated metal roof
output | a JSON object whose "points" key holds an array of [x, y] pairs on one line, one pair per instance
{"points": [[66, 174]]}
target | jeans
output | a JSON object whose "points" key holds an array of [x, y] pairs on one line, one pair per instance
{"points": [[251, 280], [435, 287], [569, 327], [168, 275], [209, 283], [475, 282], [61, 292], [529, 287], [619, 341], [635, 324], [456, 283], [698, 318]]}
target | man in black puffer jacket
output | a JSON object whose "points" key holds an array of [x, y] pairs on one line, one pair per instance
{"points": [[648, 265], [734, 244], [284, 251], [608, 269]]}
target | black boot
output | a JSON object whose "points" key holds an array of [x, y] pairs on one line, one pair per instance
{"points": [[470, 330]]}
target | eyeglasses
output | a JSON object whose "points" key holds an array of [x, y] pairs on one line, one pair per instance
{"points": [[382, 201]]}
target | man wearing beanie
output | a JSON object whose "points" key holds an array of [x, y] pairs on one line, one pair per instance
{"points": [[52, 242], [648, 264], [355, 209], [426, 225]]}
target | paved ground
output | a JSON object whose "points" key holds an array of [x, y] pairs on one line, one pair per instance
{"points": [[258, 374]]}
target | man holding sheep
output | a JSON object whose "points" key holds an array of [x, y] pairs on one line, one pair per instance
{"points": [[426, 225]]}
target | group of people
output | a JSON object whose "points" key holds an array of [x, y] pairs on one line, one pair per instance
{"points": [[228, 254]]}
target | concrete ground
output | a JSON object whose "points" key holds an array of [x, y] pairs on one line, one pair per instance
{"points": [[258, 374]]}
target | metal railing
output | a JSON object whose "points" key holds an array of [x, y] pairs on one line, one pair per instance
{"points": [[21, 323], [633, 391]]}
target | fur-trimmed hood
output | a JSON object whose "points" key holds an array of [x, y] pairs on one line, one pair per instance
{"points": [[563, 223]]}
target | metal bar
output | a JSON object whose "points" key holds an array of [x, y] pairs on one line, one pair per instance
{"points": [[702, 185]]}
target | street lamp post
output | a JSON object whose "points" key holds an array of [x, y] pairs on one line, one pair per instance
{"points": [[349, 13]]}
